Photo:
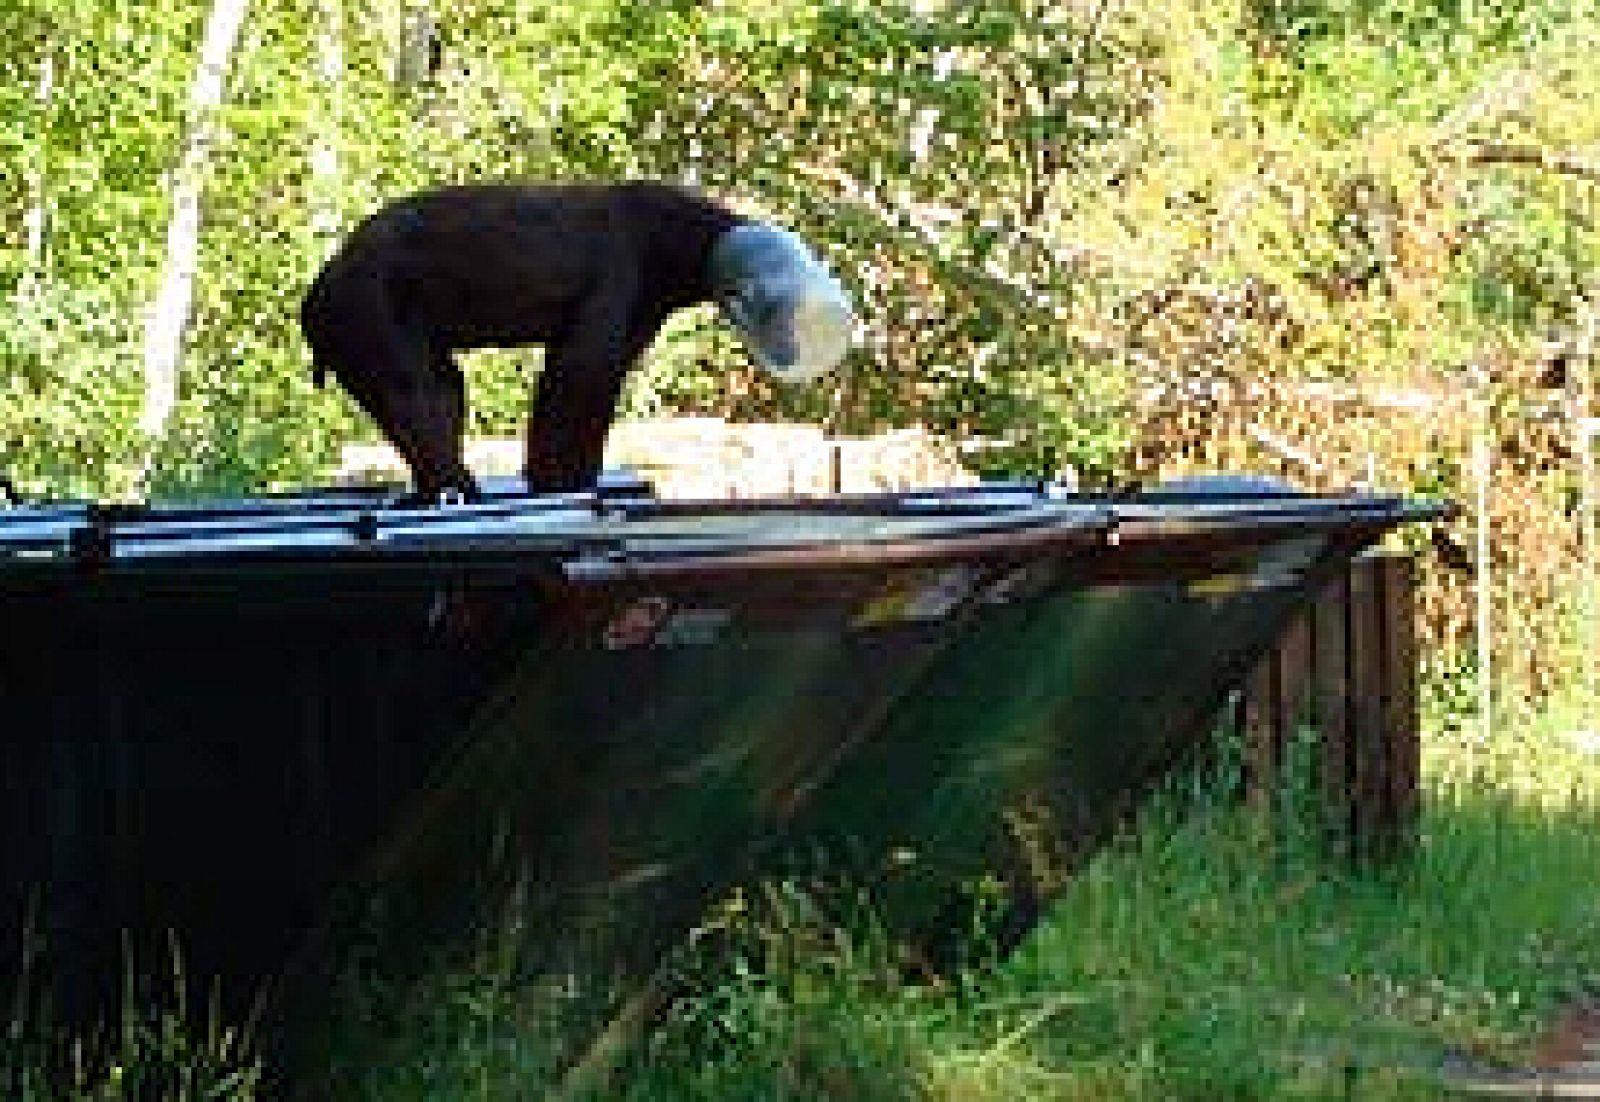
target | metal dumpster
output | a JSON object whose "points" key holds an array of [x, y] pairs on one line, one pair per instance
{"points": [[221, 718]]}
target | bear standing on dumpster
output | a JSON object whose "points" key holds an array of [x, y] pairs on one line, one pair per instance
{"points": [[589, 271]]}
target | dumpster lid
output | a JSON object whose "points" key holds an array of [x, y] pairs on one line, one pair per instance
{"points": [[622, 520]]}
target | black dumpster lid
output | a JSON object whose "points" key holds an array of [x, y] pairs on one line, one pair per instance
{"points": [[621, 520]]}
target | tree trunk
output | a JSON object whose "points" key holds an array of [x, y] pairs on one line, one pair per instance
{"points": [[324, 155], [169, 313], [418, 53], [38, 201]]}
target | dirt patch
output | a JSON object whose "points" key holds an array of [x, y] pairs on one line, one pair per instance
{"points": [[1565, 1062]]}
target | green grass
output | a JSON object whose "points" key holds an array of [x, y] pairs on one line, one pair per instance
{"points": [[1206, 957], [1208, 953], [167, 1044]]}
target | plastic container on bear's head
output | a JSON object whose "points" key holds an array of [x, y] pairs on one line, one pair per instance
{"points": [[793, 314]]}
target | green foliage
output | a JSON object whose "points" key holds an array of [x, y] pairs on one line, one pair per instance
{"points": [[1001, 186], [1528, 268], [948, 136]]}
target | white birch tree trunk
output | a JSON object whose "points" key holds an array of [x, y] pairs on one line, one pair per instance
{"points": [[416, 42], [169, 313], [37, 215], [324, 156]]}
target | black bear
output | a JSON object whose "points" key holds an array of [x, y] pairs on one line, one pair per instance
{"points": [[590, 271]]}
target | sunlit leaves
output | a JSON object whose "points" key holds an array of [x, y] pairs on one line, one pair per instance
{"points": [[1002, 185]]}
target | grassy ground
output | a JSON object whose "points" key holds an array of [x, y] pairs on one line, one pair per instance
{"points": [[1197, 959], [1208, 954]]}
